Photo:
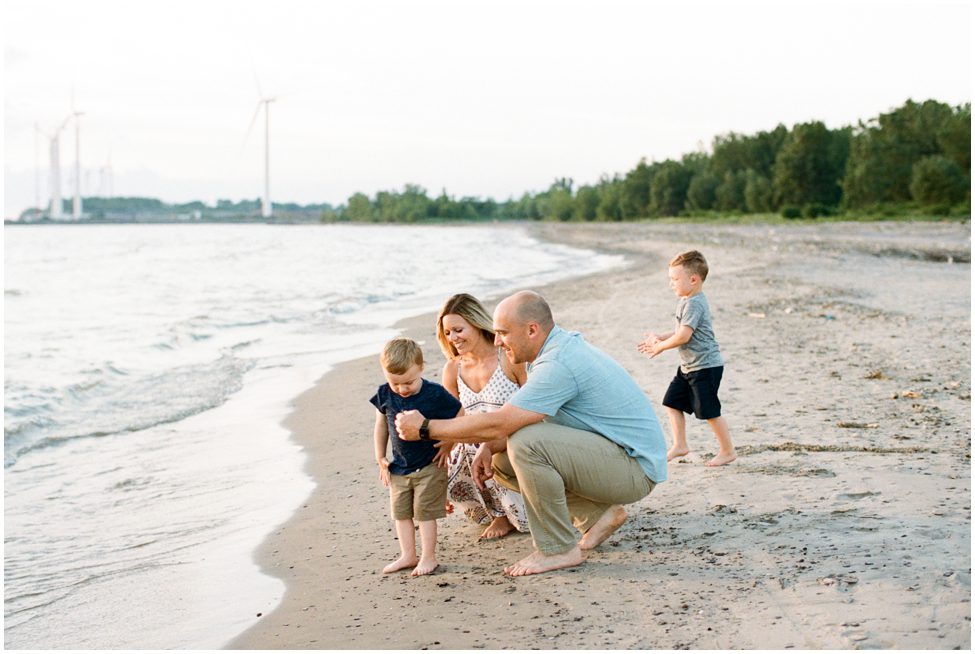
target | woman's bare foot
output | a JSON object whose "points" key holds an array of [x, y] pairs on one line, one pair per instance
{"points": [[498, 528], [722, 459], [401, 563], [675, 452], [608, 522], [426, 566], [537, 563]]}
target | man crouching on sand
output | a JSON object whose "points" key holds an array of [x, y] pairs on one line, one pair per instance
{"points": [[578, 440]]}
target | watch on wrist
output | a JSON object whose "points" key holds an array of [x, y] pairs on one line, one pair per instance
{"points": [[425, 430]]}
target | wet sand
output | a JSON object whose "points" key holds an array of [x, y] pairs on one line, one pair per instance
{"points": [[845, 522]]}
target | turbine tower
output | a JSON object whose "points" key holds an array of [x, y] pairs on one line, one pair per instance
{"points": [[54, 177], [266, 101], [77, 162]]}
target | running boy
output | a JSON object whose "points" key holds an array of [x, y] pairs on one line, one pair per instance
{"points": [[695, 387], [417, 485]]}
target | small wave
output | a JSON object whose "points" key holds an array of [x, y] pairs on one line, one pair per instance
{"points": [[129, 405]]}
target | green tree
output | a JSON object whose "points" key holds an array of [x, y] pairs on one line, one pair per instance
{"points": [[359, 209], [701, 191], [587, 203], [610, 199], [730, 193], [668, 188], [884, 150], [938, 180], [810, 165], [758, 192], [635, 194]]}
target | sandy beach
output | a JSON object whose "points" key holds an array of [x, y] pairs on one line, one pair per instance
{"points": [[844, 524]]}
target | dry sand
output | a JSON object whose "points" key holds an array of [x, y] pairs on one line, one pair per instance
{"points": [[845, 522]]}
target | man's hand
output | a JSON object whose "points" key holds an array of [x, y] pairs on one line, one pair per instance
{"points": [[482, 467], [408, 425]]}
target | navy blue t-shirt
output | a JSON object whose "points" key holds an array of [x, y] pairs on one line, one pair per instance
{"points": [[434, 402]]}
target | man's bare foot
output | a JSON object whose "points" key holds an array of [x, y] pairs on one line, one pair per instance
{"points": [[722, 459], [498, 528], [426, 567], [537, 563], [401, 563], [608, 522], [675, 452]]}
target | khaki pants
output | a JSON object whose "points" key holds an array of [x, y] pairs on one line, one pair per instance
{"points": [[567, 477]]}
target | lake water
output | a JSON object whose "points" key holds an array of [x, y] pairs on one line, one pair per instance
{"points": [[147, 371]]}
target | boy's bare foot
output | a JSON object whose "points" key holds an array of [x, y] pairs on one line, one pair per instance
{"points": [[608, 522], [401, 563], [424, 568], [675, 452], [537, 563], [722, 459], [498, 528]]}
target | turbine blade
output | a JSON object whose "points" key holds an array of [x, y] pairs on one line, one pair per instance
{"points": [[247, 134]]}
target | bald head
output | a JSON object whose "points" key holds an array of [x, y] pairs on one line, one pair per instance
{"points": [[522, 322], [527, 307]]}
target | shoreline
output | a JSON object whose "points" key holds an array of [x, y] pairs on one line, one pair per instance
{"points": [[773, 551]]}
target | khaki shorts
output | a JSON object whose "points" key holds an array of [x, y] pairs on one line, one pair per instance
{"points": [[421, 494]]}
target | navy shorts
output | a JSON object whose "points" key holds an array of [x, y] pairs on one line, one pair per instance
{"points": [[696, 392]]}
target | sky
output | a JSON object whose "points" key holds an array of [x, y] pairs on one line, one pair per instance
{"points": [[486, 99]]}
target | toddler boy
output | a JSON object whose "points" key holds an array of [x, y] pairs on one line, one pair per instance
{"points": [[417, 485], [695, 387]]}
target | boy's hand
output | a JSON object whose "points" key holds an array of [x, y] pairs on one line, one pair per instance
{"points": [[448, 507], [384, 471], [442, 457], [647, 345]]}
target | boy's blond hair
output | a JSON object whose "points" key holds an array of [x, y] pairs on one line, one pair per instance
{"points": [[694, 261], [399, 355]]}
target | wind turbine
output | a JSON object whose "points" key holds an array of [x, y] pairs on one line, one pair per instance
{"points": [[266, 101], [54, 177], [77, 159]]}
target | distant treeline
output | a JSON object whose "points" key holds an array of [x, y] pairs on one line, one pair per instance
{"points": [[916, 157]]}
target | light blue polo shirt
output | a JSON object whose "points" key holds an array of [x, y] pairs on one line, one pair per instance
{"points": [[579, 386]]}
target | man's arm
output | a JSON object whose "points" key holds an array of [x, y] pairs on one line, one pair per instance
{"points": [[475, 428]]}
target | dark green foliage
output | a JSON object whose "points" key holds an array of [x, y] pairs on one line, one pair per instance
{"points": [[791, 211], [730, 194], [884, 150], [758, 192], [668, 188], [816, 210], [810, 165], [587, 203], [635, 194], [938, 180], [701, 191]]}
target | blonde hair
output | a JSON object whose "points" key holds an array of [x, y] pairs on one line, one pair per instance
{"points": [[399, 355], [470, 309], [694, 261]]}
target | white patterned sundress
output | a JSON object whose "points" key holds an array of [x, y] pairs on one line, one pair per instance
{"points": [[495, 500]]}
